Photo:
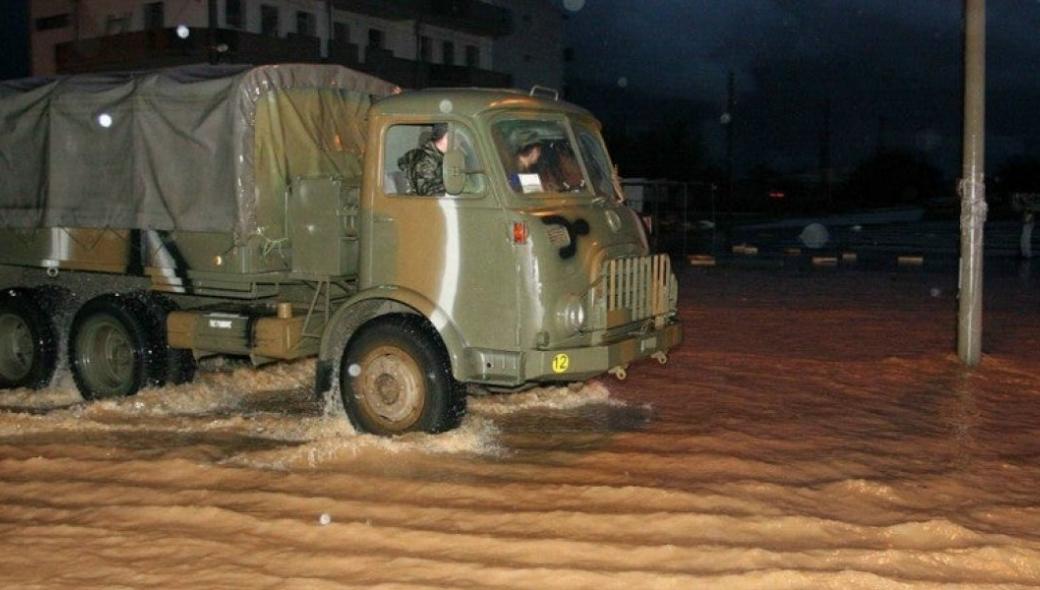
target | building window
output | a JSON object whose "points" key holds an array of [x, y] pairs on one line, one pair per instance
{"points": [[472, 56], [233, 13], [305, 23], [568, 54], [425, 49], [341, 32], [376, 39], [58, 21], [268, 20], [449, 53], [153, 16], [116, 25]]}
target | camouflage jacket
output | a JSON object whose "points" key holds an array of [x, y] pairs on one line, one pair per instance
{"points": [[423, 167]]}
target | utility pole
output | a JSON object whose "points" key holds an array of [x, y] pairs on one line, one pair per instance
{"points": [[972, 184], [727, 120], [825, 153]]}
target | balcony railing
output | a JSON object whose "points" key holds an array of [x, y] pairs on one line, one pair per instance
{"points": [[413, 74], [144, 50], [164, 48], [469, 16]]}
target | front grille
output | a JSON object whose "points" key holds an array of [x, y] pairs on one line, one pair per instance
{"points": [[633, 289]]}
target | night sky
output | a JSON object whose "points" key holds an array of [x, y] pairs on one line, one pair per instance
{"points": [[14, 40], [890, 69]]}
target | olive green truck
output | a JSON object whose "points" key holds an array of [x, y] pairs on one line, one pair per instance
{"points": [[148, 220]]}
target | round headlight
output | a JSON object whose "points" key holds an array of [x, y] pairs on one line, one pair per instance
{"points": [[571, 314]]}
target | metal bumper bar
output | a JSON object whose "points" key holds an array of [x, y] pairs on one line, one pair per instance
{"points": [[576, 364]]}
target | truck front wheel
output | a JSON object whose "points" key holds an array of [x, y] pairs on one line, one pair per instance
{"points": [[28, 350], [112, 348], [395, 378]]}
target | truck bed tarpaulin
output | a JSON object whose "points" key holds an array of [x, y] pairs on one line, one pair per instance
{"points": [[198, 148]]}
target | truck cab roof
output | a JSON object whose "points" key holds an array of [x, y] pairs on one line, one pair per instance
{"points": [[470, 102]]}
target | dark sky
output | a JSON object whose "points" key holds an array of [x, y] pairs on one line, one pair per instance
{"points": [[887, 67], [890, 70], [14, 41]]}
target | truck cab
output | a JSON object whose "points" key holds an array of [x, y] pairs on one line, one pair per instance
{"points": [[530, 270]]}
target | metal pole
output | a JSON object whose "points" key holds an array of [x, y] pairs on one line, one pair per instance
{"points": [[731, 102], [685, 216], [972, 184], [657, 213], [714, 220], [825, 154]]}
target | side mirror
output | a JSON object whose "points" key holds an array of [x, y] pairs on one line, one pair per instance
{"points": [[454, 172]]}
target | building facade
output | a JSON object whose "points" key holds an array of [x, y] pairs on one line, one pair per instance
{"points": [[413, 43]]}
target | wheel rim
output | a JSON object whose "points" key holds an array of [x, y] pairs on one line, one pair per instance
{"points": [[17, 349], [392, 387], [105, 355]]}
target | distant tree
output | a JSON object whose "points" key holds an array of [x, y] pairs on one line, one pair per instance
{"points": [[892, 177]]}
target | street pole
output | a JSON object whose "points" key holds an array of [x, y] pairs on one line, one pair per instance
{"points": [[972, 184], [825, 155], [731, 102]]}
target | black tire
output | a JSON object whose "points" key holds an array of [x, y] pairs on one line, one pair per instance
{"points": [[395, 378], [114, 350], [180, 363], [28, 342]]}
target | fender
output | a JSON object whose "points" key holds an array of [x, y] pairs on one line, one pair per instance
{"points": [[373, 303]]}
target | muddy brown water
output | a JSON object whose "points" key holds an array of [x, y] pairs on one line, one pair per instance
{"points": [[815, 431]]}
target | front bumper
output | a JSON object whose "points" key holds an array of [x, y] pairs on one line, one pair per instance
{"points": [[576, 364]]}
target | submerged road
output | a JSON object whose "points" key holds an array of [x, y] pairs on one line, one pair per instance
{"points": [[815, 431]]}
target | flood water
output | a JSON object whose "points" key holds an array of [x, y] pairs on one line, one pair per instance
{"points": [[815, 431]]}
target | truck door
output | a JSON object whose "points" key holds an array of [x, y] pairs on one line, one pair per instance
{"points": [[452, 251]]}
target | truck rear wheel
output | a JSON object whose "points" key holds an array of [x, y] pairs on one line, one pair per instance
{"points": [[180, 363], [395, 378], [113, 349], [28, 345]]}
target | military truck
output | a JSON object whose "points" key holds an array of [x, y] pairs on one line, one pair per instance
{"points": [[148, 220]]}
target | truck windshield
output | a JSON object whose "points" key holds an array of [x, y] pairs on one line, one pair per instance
{"points": [[596, 161], [538, 156]]}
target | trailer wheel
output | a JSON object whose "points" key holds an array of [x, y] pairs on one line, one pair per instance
{"points": [[180, 363], [113, 348], [395, 378], [28, 345]]}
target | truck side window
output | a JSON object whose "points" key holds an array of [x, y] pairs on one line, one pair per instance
{"points": [[413, 156]]}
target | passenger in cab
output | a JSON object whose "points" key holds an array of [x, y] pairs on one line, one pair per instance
{"points": [[424, 166]]}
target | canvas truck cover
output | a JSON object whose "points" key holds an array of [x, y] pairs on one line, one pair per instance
{"points": [[198, 148]]}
